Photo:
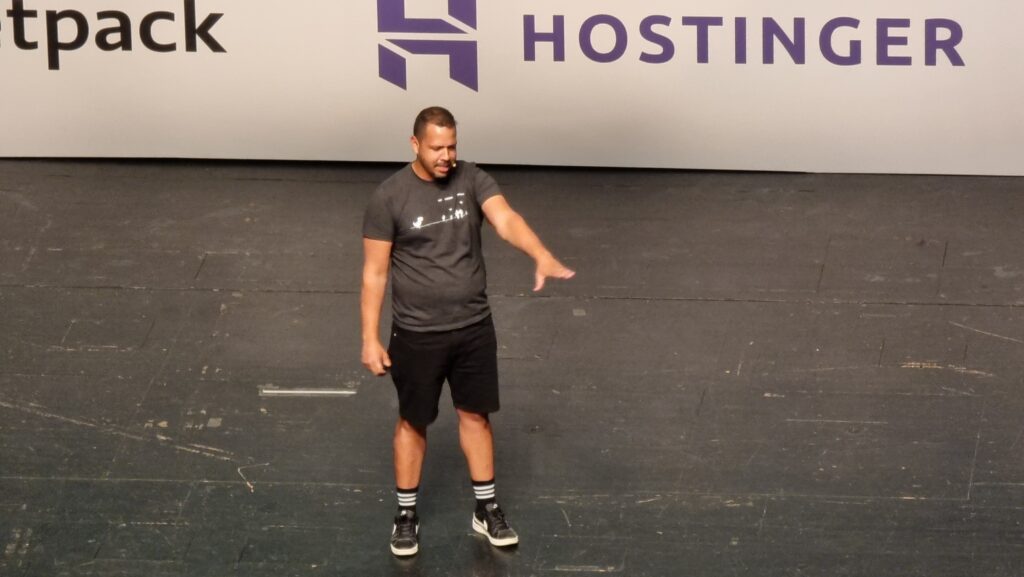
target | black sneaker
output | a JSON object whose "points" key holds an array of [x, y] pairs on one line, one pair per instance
{"points": [[491, 522], [405, 540]]}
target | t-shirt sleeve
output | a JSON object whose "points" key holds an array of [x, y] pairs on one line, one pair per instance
{"points": [[377, 221], [484, 186]]}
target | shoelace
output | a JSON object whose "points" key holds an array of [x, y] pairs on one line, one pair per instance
{"points": [[497, 519], [405, 528]]}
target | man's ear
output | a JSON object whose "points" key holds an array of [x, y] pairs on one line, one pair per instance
{"points": [[415, 143]]}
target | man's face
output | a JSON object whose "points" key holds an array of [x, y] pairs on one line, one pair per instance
{"points": [[435, 152]]}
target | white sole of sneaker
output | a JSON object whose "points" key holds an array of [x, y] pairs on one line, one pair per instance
{"points": [[405, 552], [479, 527]]}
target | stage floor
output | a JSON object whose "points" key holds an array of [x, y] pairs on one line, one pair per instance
{"points": [[751, 374]]}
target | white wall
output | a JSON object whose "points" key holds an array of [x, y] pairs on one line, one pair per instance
{"points": [[299, 80]]}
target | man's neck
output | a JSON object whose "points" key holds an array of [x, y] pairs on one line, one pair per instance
{"points": [[421, 172]]}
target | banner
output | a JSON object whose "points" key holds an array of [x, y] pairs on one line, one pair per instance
{"points": [[791, 85]]}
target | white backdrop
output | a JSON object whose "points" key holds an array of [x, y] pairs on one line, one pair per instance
{"points": [[300, 80]]}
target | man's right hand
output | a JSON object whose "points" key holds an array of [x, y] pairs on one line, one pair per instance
{"points": [[375, 358]]}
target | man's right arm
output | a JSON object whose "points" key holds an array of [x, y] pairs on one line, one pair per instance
{"points": [[376, 262]]}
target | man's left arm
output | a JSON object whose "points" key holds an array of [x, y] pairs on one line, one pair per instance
{"points": [[512, 228]]}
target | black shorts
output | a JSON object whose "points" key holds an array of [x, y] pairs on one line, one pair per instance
{"points": [[421, 362]]}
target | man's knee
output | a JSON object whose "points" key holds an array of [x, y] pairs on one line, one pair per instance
{"points": [[405, 428], [477, 420]]}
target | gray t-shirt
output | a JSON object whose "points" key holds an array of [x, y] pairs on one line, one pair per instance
{"points": [[438, 280]]}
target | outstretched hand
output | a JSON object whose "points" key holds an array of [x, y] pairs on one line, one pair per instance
{"points": [[549, 267]]}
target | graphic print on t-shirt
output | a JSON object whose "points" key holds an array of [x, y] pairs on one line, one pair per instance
{"points": [[452, 209]]}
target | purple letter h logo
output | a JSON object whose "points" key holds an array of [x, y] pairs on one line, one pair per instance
{"points": [[462, 57]]}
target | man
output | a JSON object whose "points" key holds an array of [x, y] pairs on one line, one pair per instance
{"points": [[422, 225]]}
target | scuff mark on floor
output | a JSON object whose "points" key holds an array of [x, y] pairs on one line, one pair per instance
{"points": [[38, 411], [248, 483], [933, 366], [986, 333]]}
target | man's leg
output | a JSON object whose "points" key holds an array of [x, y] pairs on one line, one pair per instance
{"points": [[477, 442], [410, 447]]}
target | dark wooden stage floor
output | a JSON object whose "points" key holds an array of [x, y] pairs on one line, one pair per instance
{"points": [[752, 374]]}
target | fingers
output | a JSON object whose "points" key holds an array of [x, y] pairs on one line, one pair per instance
{"points": [[377, 361], [539, 283], [373, 367], [560, 273], [381, 364]]}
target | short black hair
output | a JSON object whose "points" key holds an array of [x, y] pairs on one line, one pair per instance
{"points": [[434, 115]]}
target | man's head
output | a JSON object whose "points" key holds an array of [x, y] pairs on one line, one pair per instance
{"points": [[434, 143]]}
